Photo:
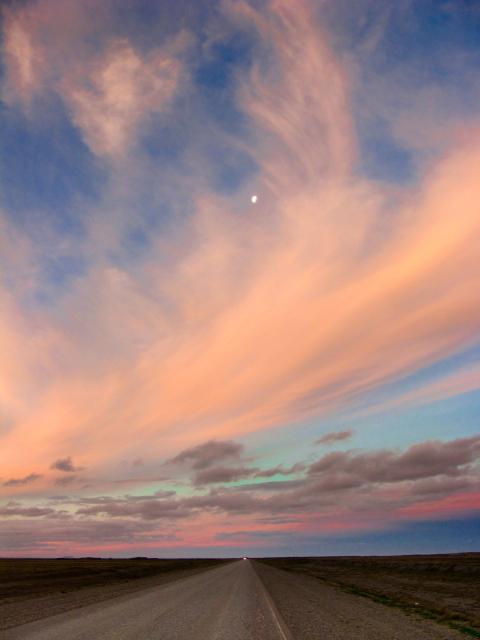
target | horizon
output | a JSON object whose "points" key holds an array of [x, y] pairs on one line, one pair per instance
{"points": [[239, 278], [234, 558]]}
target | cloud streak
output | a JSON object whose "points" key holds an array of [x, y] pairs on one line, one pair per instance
{"points": [[205, 455], [17, 482], [335, 436], [118, 92]]}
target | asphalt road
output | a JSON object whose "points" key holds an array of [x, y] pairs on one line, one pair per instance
{"points": [[232, 603]]}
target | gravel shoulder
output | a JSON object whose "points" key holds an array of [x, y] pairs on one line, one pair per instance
{"points": [[441, 587], [315, 611]]}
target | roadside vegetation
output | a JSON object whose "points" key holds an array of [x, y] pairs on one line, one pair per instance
{"points": [[444, 588]]}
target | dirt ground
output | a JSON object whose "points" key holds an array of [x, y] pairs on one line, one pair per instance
{"points": [[441, 587]]}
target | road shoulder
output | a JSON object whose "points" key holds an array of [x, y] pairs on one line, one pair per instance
{"points": [[317, 611]]}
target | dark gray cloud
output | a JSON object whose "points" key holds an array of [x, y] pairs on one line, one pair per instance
{"points": [[443, 485], [335, 436], [253, 534], [208, 454], [280, 470], [15, 482], [66, 465], [137, 480], [143, 507], [213, 475], [26, 535], [228, 501], [167, 507], [424, 460], [274, 485], [354, 480], [13, 509], [276, 520], [99, 500], [66, 480]]}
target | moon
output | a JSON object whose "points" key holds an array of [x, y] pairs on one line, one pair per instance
{"points": [[253, 199]]}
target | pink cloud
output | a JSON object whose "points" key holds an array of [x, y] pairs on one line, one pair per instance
{"points": [[24, 61], [116, 93], [109, 93], [301, 102], [443, 507], [464, 380], [41, 40]]}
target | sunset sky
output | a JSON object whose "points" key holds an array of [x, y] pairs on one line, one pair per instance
{"points": [[187, 369]]}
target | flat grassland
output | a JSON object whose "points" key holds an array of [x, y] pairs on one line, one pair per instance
{"points": [[31, 589], [442, 587]]}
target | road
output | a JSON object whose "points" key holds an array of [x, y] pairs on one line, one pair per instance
{"points": [[232, 603]]}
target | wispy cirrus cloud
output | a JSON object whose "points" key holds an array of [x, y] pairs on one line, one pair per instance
{"points": [[462, 380], [41, 41], [109, 88], [112, 97], [24, 62]]}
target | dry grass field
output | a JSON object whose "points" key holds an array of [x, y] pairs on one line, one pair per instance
{"points": [[445, 587]]}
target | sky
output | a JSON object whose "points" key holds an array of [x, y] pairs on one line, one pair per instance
{"points": [[239, 277]]}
